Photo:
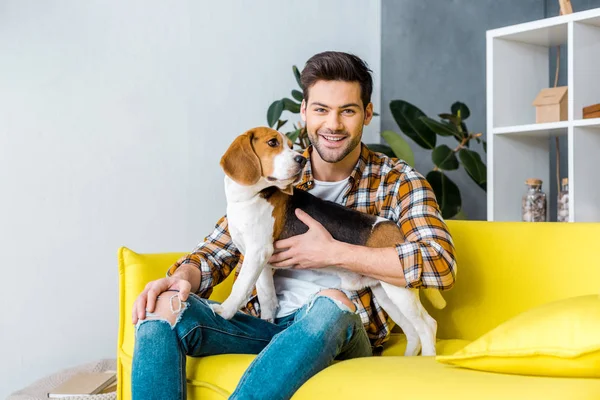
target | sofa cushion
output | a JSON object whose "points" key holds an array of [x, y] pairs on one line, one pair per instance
{"points": [[421, 378], [560, 338], [215, 377]]}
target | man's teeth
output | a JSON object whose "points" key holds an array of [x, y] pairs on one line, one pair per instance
{"points": [[333, 139]]}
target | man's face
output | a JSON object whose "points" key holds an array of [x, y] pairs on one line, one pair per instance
{"points": [[334, 117]]}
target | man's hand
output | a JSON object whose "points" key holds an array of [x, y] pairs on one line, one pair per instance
{"points": [[146, 301], [313, 249]]}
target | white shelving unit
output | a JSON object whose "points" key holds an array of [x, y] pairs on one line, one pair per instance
{"points": [[518, 67]]}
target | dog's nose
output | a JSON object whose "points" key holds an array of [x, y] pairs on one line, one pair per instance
{"points": [[300, 160]]}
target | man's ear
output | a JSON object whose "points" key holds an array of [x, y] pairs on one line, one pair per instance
{"points": [[368, 114], [240, 162]]}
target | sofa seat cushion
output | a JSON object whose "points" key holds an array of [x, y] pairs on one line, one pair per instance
{"points": [[389, 377], [423, 378], [216, 377]]}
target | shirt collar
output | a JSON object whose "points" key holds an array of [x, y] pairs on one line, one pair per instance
{"points": [[308, 181]]}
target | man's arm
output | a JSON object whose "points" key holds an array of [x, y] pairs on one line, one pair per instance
{"points": [[210, 262], [381, 263], [426, 258], [206, 266]]}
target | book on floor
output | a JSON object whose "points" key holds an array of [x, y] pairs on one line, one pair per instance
{"points": [[84, 384]]}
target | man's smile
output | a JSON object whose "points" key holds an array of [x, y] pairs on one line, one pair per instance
{"points": [[333, 140]]}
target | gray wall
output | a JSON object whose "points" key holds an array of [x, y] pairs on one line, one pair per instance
{"points": [[433, 53], [551, 10]]}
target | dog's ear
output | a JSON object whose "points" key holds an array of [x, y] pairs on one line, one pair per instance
{"points": [[288, 190], [240, 162]]}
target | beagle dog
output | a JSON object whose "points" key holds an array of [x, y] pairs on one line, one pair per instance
{"points": [[260, 171]]}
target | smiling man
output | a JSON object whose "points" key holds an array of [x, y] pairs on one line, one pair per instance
{"points": [[317, 322]]}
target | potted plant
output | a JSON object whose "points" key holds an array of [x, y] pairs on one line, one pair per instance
{"points": [[422, 130]]}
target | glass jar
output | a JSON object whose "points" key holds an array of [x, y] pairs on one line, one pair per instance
{"points": [[562, 204], [533, 204]]}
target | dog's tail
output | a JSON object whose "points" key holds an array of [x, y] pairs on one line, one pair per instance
{"points": [[435, 297]]}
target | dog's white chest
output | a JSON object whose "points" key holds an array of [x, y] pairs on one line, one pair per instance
{"points": [[250, 223]]}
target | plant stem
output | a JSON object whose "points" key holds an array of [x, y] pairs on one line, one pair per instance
{"points": [[465, 140], [556, 142]]}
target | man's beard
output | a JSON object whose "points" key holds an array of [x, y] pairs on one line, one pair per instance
{"points": [[329, 155]]}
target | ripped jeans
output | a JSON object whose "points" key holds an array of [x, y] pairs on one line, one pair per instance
{"points": [[290, 350]]}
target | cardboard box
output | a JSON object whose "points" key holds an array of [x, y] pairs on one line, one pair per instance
{"points": [[551, 105]]}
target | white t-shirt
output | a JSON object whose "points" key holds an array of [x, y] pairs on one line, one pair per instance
{"points": [[294, 287]]}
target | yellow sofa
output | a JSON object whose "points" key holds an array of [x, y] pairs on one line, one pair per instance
{"points": [[504, 269]]}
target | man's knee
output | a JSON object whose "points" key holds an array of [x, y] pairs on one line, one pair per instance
{"points": [[338, 296], [168, 308]]}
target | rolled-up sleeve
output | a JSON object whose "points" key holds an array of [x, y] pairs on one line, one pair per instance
{"points": [[428, 256], [216, 257]]}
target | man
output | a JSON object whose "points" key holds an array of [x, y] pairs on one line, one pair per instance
{"points": [[342, 325]]}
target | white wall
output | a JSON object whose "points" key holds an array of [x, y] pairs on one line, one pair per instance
{"points": [[113, 116]]}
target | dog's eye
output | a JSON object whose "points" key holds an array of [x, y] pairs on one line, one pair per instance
{"points": [[273, 142]]}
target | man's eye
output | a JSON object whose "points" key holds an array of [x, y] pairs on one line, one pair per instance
{"points": [[273, 142], [349, 112], [319, 110]]}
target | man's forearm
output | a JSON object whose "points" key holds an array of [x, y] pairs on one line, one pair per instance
{"points": [[190, 273], [378, 263]]}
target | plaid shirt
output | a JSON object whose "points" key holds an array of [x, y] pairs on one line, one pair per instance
{"points": [[381, 186]]}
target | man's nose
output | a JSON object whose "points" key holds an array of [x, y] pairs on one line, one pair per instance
{"points": [[300, 160], [334, 122]]}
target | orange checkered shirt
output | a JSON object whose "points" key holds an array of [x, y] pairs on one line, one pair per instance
{"points": [[381, 186]]}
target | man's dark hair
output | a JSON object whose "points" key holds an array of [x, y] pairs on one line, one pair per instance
{"points": [[338, 66]]}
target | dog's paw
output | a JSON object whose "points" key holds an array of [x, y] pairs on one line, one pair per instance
{"points": [[268, 309], [412, 351], [217, 308], [224, 312]]}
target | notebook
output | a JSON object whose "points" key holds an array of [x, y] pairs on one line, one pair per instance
{"points": [[85, 383]]}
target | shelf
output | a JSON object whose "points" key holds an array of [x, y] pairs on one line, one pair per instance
{"points": [[547, 32], [546, 129], [517, 69], [590, 122], [585, 60], [589, 17]]}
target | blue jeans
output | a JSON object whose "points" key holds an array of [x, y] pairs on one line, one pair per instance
{"points": [[290, 350]]}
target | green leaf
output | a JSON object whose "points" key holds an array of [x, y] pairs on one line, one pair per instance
{"points": [[461, 215], [297, 75], [449, 117], [290, 105], [375, 114], [465, 131], [296, 94], [382, 148], [444, 158], [274, 112], [441, 128], [280, 123], [462, 108], [446, 193], [475, 168], [399, 146], [407, 117], [293, 135], [484, 146]]}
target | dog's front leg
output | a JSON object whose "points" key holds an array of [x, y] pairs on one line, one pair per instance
{"points": [[267, 297], [254, 262]]}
